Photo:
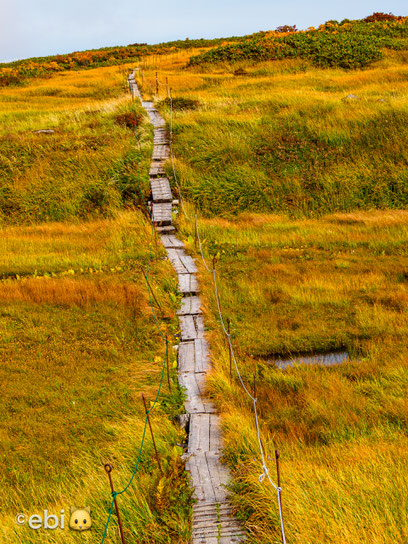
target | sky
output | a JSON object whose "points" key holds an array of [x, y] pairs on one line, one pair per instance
{"points": [[33, 28]]}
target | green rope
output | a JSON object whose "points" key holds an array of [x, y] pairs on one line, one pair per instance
{"points": [[116, 493]]}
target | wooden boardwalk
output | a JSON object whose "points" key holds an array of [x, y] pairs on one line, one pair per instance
{"points": [[213, 522]]}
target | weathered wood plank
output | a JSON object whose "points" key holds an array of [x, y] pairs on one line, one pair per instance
{"points": [[161, 213], [161, 191], [215, 434], [156, 170], [188, 284], [199, 437], [171, 241], [186, 361], [202, 356], [188, 262], [190, 305], [188, 327], [194, 403]]}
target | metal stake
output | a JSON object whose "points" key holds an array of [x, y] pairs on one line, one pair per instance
{"points": [[108, 469], [151, 432]]}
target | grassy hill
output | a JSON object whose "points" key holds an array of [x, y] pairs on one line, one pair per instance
{"points": [[291, 146], [78, 338]]}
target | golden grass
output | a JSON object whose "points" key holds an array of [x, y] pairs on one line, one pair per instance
{"points": [[66, 292], [314, 285], [79, 346]]}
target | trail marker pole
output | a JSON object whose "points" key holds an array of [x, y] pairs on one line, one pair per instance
{"points": [[151, 432], [108, 469]]}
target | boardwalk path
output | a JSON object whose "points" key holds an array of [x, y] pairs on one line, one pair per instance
{"points": [[212, 519]]}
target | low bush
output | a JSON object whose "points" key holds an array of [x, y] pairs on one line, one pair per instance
{"points": [[181, 103], [348, 45], [129, 119]]}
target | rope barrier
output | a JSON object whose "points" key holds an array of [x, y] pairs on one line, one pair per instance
{"points": [[265, 469], [164, 338], [172, 158]]}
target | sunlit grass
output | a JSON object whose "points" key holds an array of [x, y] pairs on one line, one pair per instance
{"points": [[87, 167], [310, 286], [80, 346], [284, 137]]}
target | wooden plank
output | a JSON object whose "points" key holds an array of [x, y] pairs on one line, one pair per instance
{"points": [[205, 477], [219, 477], [188, 284], [199, 324], [192, 326], [172, 241], [202, 356], [185, 357], [192, 467], [188, 328], [199, 436], [174, 257], [215, 434], [166, 229], [160, 151], [156, 170], [190, 305], [194, 402], [161, 213], [188, 262], [161, 191]]}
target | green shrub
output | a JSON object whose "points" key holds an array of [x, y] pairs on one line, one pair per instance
{"points": [[181, 103], [348, 45]]}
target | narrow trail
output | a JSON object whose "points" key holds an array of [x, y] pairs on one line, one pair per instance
{"points": [[213, 522]]}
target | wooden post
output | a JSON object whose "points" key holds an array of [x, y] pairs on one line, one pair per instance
{"points": [[108, 469], [167, 87], [151, 432], [157, 86], [167, 363], [255, 384]]}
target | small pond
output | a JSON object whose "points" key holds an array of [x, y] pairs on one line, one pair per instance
{"points": [[325, 359]]}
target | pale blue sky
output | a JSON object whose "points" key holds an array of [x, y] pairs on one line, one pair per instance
{"points": [[31, 28]]}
